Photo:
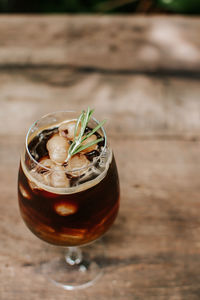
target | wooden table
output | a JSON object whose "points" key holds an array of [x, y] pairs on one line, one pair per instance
{"points": [[142, 75]]}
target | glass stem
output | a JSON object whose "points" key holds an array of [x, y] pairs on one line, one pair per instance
{"points": [[73, 256]]}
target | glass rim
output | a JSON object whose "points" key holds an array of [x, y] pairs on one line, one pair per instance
{"points": [[68, 171]]}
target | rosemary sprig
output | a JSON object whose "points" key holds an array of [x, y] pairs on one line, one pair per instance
{"points": [[77, 145]]}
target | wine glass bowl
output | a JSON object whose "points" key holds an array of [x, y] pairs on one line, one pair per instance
{"points": [[62, 206]]}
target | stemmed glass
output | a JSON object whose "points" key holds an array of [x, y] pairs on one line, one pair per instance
{"points": [[67, 216]]}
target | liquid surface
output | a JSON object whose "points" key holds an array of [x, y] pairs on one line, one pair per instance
{"points": [[78, 180]]}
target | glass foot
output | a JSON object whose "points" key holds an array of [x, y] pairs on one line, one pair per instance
{"points": [[75, 270]]}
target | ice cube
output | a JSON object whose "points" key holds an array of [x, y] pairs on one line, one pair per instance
{"points": [[78, 161], [47, 163], [65, 209], [43, 178], [67, 129], [89, 140], [57, 147], [24, 192], [90, 174], [53, 176], [58, 177]]}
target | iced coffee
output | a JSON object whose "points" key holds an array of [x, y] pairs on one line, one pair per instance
{"points": [[68, 183]]}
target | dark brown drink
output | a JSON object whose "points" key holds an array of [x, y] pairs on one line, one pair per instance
{"points": [[70, 215], [71, 219]]}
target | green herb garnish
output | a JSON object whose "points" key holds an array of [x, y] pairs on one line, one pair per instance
{"points": [[77, 145]]}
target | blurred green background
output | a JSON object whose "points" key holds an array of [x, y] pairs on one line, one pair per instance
{"points": [[100, 6]]}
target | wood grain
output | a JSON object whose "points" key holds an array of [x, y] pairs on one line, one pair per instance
{"points": [[120, 43], [135, 105], [152, 251]]}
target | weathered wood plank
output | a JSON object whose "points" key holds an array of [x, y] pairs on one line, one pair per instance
{"points": [[135, 105], [152, 250], [110, 43]]}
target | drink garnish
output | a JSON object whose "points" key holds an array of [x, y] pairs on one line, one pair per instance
{"points": [[77, 144]]}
